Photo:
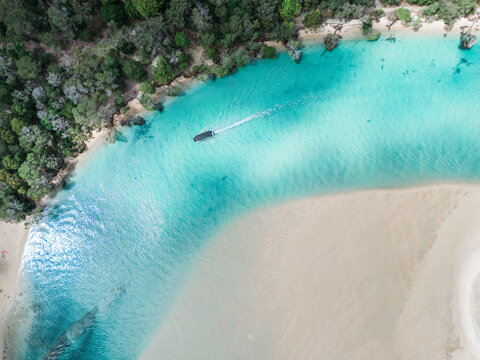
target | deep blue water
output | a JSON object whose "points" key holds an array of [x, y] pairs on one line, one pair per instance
{"points": [[363, 116]]}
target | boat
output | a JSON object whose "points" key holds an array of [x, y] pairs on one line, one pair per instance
{"points": [[204, 136]]}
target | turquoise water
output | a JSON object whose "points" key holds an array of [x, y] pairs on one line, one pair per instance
{"points": [[134, 218]]}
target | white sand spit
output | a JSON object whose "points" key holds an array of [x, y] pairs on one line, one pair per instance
{"points": [[379, 274]]}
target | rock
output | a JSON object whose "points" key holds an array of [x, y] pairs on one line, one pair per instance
{"points": [[330, 41], [467, 41], [138, 121], [295, 55], [159, 107], [132, 120], [111, 137], [294, 50]]}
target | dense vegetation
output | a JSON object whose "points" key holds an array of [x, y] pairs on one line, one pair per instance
{"points": [[66, 66]]}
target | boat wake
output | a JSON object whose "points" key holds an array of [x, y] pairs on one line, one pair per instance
{"points": [[262, 114]]}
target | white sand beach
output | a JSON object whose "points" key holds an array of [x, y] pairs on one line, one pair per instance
{"points": [[12, 239], [377, 274]]}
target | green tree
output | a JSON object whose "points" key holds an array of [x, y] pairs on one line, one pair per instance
{"points": [[268, 52], [289, 9], [8, 136], [147, 87], [11, 178], [212, 54], [5, 95], [182, 40], [125, 46], [12, 162], [113, 12], [313, 20], [28, 68], [131, 10], [162, 71], [177, 13], [241, 57], [17, 125], [134, 70], [208, 39], [35, 139], [403, 14], [63, 20], [147, 8]]}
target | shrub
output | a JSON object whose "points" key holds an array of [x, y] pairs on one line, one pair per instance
{"points": [[403, 14], [313, 20], [268, 52], [147, 87], [182, 40]]}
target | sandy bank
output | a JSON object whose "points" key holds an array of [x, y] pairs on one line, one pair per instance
{"points": [[352, 30], [12, 238], [380, 274]]}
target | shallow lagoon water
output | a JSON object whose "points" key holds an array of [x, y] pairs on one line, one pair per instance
{"points": [[136, 216]]}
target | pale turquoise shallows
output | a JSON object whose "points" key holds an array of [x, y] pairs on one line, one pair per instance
{"points": [[133, 219]]}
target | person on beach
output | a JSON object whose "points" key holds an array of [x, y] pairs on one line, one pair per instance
{"points": [[4, 252]]}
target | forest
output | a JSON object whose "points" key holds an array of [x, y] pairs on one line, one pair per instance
{"points": [[65, 66]]}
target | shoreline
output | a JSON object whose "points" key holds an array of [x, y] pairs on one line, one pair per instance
{"points": [[13, 238], [368, 274], [351, 30], [17, 234]]}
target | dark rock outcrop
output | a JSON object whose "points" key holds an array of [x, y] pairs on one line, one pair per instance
{"points": [[467, 41], [331, 41]]}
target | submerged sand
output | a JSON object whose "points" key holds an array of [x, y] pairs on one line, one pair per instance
{"points": [[378, 274]]}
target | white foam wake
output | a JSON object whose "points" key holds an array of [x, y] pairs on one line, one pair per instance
{"points": [[262, 114]]}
